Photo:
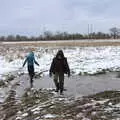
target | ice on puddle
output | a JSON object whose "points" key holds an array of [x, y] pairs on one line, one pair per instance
{"points": [[49, 116], [35, 109], [1, 100], [117, 105], [93, 113], [38, 118], [103, 101], [48, 89], [25, 115], [79, 115], [60, 99], [109, 109], [36, 112], [86, 119], [93, 103], [19, 112], [18, 118], [110, 103]]}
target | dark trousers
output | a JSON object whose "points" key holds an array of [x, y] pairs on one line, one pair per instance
{"points": [[31, 74], [59, 81]]}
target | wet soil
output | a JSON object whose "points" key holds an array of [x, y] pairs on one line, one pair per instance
{"points": [[86, 98]]}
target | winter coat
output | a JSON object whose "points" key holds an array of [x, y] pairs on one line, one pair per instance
{"points": [[30, 60], [59, 65]]}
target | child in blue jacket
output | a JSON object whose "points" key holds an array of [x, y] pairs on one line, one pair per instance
{"points": [[30, 60]]}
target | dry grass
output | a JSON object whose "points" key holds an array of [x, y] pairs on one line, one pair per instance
{"points": [[66, 43]]}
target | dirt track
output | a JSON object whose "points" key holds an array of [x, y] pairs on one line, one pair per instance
{"points": [[77, 85], [23, 103]]}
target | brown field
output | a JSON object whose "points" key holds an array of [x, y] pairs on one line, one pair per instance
{"points": [[80, 43]]}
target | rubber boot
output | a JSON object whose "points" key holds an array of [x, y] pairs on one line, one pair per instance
{"points": [[61, 92], [61, 88], [57, 87], [31, 83]]}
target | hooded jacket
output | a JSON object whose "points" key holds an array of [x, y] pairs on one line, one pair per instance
{"points": [[59, 64], [30, 60]]}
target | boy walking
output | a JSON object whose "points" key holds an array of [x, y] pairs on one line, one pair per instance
{"points": [[30, 60], [59, 67]]}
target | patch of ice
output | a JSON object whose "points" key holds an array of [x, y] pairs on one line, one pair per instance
{"points": [[110, 103], [3, 94], [86, 119], [19, 112], [61, 99], [116, 119], [49, 116], [36, 109], [38, 118], [95, 102], [79, 115], [2, 99], [48, 89], [89, 104], [36, 112], [117, 105], [19, 118], [109, 109], [93, 113], [103, 101], [25, 115]]}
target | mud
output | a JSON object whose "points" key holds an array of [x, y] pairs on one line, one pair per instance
{"points": [[86, 98]]}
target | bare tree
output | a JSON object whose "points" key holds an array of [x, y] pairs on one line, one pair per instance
{"points": [[115, 32]]}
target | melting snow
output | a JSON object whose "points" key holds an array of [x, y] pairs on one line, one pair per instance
{"points": [[49, 116], [81, 59], [25, 114]]}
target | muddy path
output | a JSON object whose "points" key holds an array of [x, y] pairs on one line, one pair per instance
{"points": [[86, 98], [77, 85]]}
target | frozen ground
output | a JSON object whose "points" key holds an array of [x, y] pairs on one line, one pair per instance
{"points": [[91, 73], [76, 86], [82, 60], [85, 98]]}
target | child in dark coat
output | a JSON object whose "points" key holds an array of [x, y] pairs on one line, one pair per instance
{"points": [[59, 67]]}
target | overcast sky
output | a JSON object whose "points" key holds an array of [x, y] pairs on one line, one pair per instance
{"points": [[32, 17]]}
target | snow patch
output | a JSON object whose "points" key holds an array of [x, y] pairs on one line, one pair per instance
{"points": [[81, 60], [49, 116], [25, 115]]}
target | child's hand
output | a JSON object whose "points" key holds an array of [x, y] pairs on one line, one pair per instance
{"points": [[68, 74], [50, 74]]}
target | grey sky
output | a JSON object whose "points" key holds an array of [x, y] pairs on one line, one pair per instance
{"points": [[32, 17]]}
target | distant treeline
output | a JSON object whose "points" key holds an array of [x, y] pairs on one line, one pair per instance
{"points": [[47, 35]]}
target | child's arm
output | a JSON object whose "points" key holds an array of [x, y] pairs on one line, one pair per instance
{"points": [[67, 67], [36, 62], [24, 62], [52, 67]]}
